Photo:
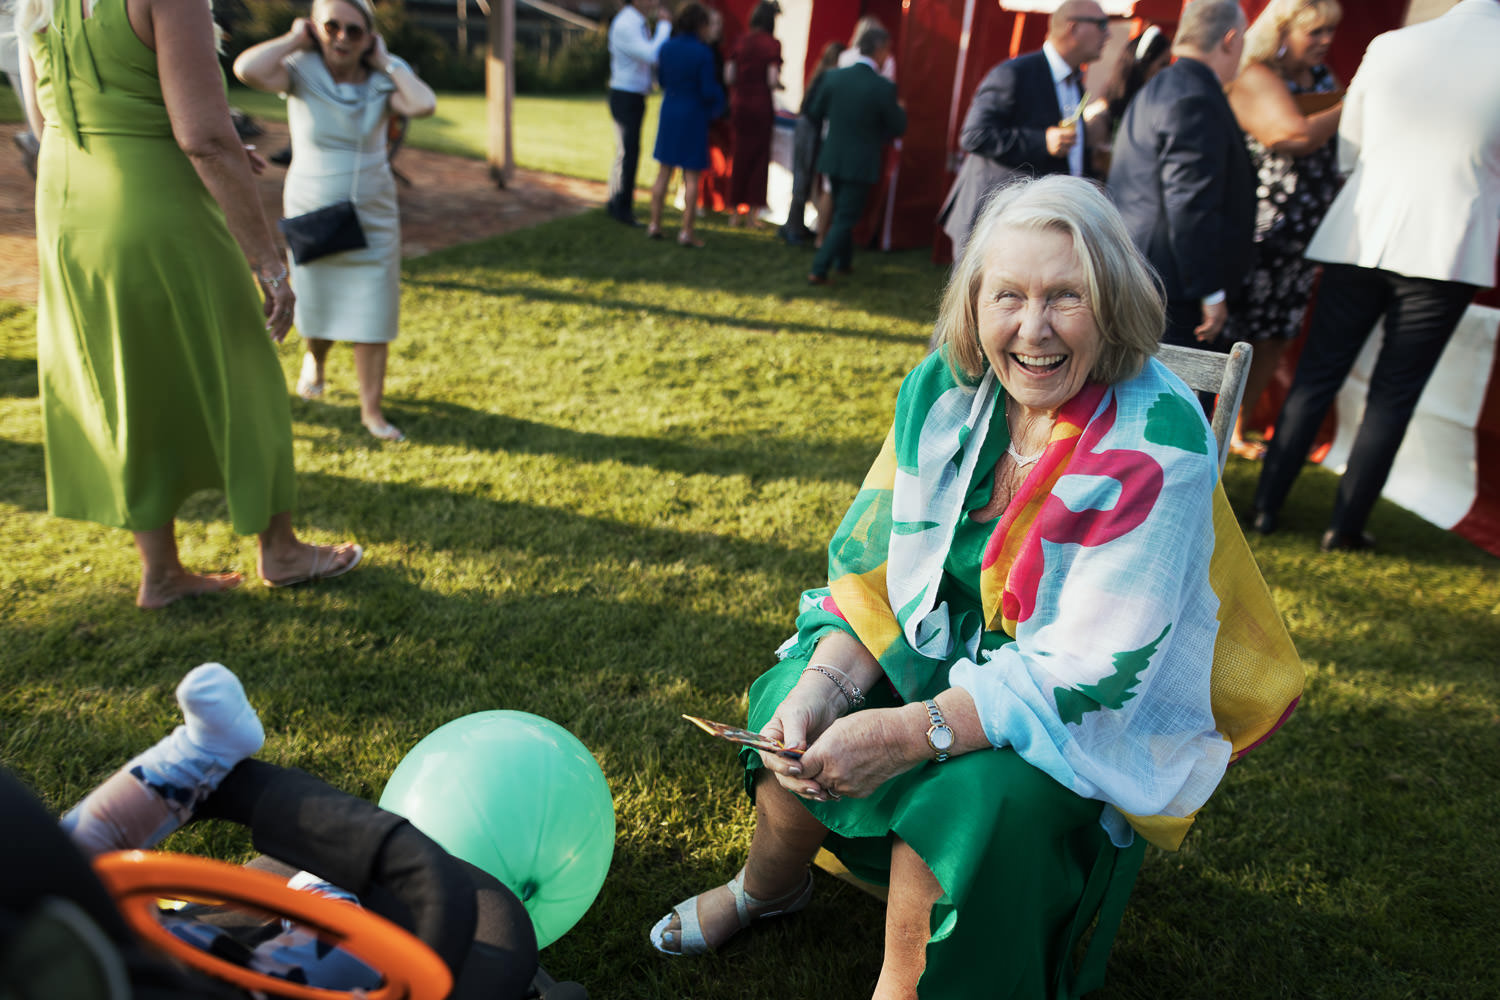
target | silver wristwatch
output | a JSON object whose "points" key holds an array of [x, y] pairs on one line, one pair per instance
{"points": [[939, 736]]}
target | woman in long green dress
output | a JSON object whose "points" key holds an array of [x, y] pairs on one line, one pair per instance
{"points": [[158, 376], [1007, 678]]}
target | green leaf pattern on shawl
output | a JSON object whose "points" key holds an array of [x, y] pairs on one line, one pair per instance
{"points": [[869, 518], [1110, 692], [1172, 422]]}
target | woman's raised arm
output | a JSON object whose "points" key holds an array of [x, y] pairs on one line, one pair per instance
{"points": [[1268, 112], [413, 98], [263, 66]]}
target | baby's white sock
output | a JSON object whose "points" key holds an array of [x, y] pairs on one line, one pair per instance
{"points": [[220, 729]]}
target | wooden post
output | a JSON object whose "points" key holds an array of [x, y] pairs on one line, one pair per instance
{"points": [[500, 87]]}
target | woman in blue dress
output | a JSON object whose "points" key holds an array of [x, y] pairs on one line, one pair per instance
{"points": [[691, 99]]}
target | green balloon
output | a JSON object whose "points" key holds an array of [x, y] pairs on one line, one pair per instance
{"points": [[519, 797]]}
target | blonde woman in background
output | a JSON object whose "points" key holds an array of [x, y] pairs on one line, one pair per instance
{"points": [[341, 88], [1296, 161], [157, 377]]}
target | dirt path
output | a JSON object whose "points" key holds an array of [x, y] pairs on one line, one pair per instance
{"points": [[450, 200]]}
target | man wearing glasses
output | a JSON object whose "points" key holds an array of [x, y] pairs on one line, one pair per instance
{"points": [[1026, 118]]}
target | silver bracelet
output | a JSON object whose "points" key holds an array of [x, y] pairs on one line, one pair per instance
{"points": [[856, 699], [274, 282]]}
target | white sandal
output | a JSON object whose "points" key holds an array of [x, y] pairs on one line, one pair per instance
{"points": [[690, 934]]}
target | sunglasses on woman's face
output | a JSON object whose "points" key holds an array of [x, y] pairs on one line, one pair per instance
{"points": [[353, 32]]}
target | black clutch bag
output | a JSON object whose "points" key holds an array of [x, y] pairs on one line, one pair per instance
{"points": [[329, 230]]}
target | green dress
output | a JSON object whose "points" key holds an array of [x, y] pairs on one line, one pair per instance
{"points": [[1025, 867], [157, 376]]}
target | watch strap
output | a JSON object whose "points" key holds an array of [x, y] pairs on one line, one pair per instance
{"points": [[936, 718]]}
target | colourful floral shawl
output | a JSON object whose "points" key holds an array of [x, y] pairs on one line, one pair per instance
{"points": [[1148, 652]]}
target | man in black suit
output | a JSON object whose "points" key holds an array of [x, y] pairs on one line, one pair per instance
{"points": [[1025, 118], [1182, 178]]}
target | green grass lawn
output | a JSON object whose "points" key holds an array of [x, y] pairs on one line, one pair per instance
{"points": [[570, 135], [625, 462]]}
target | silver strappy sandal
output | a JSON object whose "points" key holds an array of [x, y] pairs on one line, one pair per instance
{"points": [[690, 935]]}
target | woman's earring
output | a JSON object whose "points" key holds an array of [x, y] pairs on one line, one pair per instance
{"points": [[1281, 52]]}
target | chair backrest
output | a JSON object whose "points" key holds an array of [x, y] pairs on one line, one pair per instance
{"points": [[1210, 371]]}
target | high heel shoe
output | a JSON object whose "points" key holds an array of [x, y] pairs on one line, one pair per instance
{"points": [[690, 940]]}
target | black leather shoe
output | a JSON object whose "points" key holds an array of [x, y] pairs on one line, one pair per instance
{"points": [[1263, 523], [1348, 541]]}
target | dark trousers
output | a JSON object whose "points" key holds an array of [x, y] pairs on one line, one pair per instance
{"points": [[805, 142], [849, 199], [1183, 317], [1420, 315], [628, 110]]}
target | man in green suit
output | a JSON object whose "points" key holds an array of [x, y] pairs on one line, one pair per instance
{"points": [[863, 115]]}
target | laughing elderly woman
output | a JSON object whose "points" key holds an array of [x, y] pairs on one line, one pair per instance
{"points": [[1008, 673]]}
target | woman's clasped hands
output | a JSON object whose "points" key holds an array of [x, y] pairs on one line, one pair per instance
{"points": [[846, 755]]}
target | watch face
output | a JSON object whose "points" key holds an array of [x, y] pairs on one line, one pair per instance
{"points": [[941, 738]]}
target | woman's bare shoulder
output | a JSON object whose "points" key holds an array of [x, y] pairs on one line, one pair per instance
{"points": [[1258, 79]]}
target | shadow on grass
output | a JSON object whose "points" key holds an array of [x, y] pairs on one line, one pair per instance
{"points": [[532, 293], [904, 285], [1309, 868], [22, 475], [357, 670], [1400, 534], [439, 424], [407, 515], [18, 378], [404, 515]]}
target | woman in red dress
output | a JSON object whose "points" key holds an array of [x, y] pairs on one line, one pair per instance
{"points": [[753, 72]]}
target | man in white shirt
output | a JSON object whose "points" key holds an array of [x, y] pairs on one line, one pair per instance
{"points": [[1025, 118], [1409, 239], [633, 47]]}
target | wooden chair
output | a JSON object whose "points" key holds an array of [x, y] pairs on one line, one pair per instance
{"points": [[1210, 371]]}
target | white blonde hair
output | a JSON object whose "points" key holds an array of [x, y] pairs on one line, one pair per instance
{"points": [[1121, 288], [1264, 38], [365, 10]]}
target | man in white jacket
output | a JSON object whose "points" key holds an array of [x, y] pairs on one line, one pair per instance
{"points": [[1409, 240], [633, 46]]}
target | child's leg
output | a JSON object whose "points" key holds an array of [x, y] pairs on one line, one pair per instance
{"points": [[158, 791]]}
